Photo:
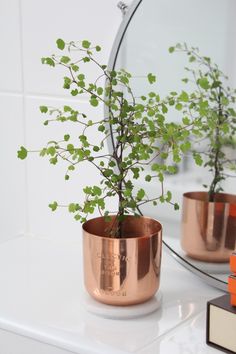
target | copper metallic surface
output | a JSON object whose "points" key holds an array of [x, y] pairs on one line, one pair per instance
{"points": [[209, 228], [124, 271]]}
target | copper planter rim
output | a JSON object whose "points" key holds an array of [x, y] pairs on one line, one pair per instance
{"points": [[160, 227], [202, 196]]}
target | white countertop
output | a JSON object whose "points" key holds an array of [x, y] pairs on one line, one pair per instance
{"points": [[42, 298]]}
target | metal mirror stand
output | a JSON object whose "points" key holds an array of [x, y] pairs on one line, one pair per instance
{"points": [[128, 13]]}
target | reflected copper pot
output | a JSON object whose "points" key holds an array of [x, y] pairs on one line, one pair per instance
{"points": [[122, 271], [209, 228]]}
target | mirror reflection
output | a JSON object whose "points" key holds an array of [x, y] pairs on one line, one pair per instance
{"points": [[206, 237]]}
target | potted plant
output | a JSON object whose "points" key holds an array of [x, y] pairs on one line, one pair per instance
{"points": [[122, 249], [209, 218]]}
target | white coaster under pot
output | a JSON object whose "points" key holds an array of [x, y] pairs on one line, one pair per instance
{"points": [[123, 312]]}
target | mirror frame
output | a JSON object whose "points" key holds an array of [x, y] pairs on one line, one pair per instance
{"points": [[128, 15]]}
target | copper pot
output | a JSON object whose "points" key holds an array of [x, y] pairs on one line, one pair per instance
{"points": [[122, 271], [209, 228]]}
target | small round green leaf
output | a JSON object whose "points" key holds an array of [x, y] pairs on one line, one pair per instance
{"points": [[60, 44], [151, 78], [22, 153], [171, 49], [86, 44], [43, 109], [53, 206], [94, 102]]}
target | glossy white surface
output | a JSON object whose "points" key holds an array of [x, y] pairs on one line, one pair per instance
{"points": [[42, 297]]}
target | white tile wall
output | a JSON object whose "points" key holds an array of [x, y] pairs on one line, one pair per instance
{"points": [[12, 175], [46, 182], [10, 42], [45, 21], [28, 31]]}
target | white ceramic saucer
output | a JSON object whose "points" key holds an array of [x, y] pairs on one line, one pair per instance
{"points": [[123, 312]]}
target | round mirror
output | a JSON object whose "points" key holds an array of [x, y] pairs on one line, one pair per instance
{"points": [[148, 30]]}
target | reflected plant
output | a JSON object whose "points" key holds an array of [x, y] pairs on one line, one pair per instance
{"points": [[132, 127], [209, 105]]}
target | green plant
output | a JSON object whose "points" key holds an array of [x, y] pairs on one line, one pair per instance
{"points": [[133, 126], [210, 107]]}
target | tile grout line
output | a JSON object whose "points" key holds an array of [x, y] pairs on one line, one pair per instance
{"points": [[83, 99], [11, 93], [26, 204], [34, 95]]}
